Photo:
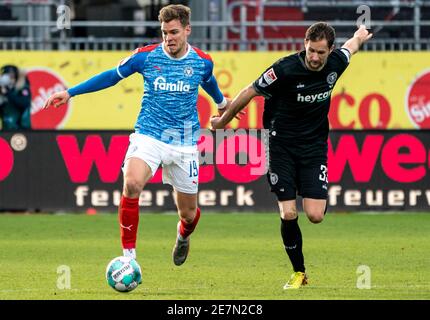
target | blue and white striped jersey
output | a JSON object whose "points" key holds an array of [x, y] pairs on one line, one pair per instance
{"points": [[169, 103]]}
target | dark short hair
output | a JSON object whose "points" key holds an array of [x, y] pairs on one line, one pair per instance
{"points": [[9, 69], [319, 31], [175, 12]]}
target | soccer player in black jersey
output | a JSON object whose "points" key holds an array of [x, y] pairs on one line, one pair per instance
{"points": [[297, 91]]}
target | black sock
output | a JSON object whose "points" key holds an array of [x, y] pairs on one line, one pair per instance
{"points": [[292, 237]]}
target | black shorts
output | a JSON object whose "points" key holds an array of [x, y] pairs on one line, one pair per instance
{"points": [[297, 169]]}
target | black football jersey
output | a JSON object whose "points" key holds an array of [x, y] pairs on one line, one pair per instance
{"points": [[297, 100]]}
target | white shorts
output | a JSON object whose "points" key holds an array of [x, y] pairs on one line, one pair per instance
{"points": [[180, 163]]}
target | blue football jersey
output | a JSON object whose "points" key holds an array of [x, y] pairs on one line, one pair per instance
{"points": [[169, 103]]}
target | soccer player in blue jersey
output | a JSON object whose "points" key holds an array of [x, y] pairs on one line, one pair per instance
{"points": [[167, 127]]}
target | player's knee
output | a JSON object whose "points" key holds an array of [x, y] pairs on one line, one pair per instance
{"points": [[187, 210], [288, 213], [315, 215], [132, 187], [187, 213]]}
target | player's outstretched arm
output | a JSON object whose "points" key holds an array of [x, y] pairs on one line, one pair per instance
{"points": [[238, 103], [212, 88], [99, 82], [223, 103], [361, 36]]}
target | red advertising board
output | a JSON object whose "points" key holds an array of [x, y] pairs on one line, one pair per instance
{"points": [[76, 170]]}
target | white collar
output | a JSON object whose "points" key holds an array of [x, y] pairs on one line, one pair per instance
{"points": [[172, 58]]}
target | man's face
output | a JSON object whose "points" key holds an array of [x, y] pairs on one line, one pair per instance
{"points": [[8, 79], [175, 37], [12, 78], [317, 53]]}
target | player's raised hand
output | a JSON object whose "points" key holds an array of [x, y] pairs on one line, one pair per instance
{"points": [[57, 99], [363, 34]]}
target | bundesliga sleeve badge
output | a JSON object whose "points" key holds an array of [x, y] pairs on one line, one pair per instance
{"points": [[270, 76]]}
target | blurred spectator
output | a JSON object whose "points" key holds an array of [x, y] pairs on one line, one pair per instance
{"points": [[15, 98]]}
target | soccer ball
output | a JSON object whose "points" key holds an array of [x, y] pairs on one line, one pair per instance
{"points": [[123, 274]]}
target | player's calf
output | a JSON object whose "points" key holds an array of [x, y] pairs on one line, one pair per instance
{"points": [[186, 228], [182, 245], [128, 214]]}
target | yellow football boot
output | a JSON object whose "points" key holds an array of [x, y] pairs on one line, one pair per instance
{"points": [[297, 280]]}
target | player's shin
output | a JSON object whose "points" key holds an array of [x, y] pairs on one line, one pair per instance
{"points": [[128, 213], [185, 229], [292, 238]]}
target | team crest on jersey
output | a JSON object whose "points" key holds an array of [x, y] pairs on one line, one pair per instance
{"points": [[270, 76], [188, 71], [331, 78], [274, 178]]}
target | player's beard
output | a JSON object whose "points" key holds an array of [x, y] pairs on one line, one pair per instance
{"points": [[315, 66], [176, 49]]}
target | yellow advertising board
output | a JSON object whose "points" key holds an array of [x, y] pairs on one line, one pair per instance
{"points": [[386, 90]]}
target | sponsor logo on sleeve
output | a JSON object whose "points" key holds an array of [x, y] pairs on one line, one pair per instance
{"points": [[270, 76]]}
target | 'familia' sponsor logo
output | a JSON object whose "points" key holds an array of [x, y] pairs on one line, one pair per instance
{"points": [[160, 83], [314, 97]]}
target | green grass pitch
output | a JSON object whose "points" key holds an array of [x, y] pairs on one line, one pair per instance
{"points": [[232, 256]]}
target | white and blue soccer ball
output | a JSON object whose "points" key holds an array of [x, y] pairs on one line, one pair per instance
{"points": [[123, 274]]}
